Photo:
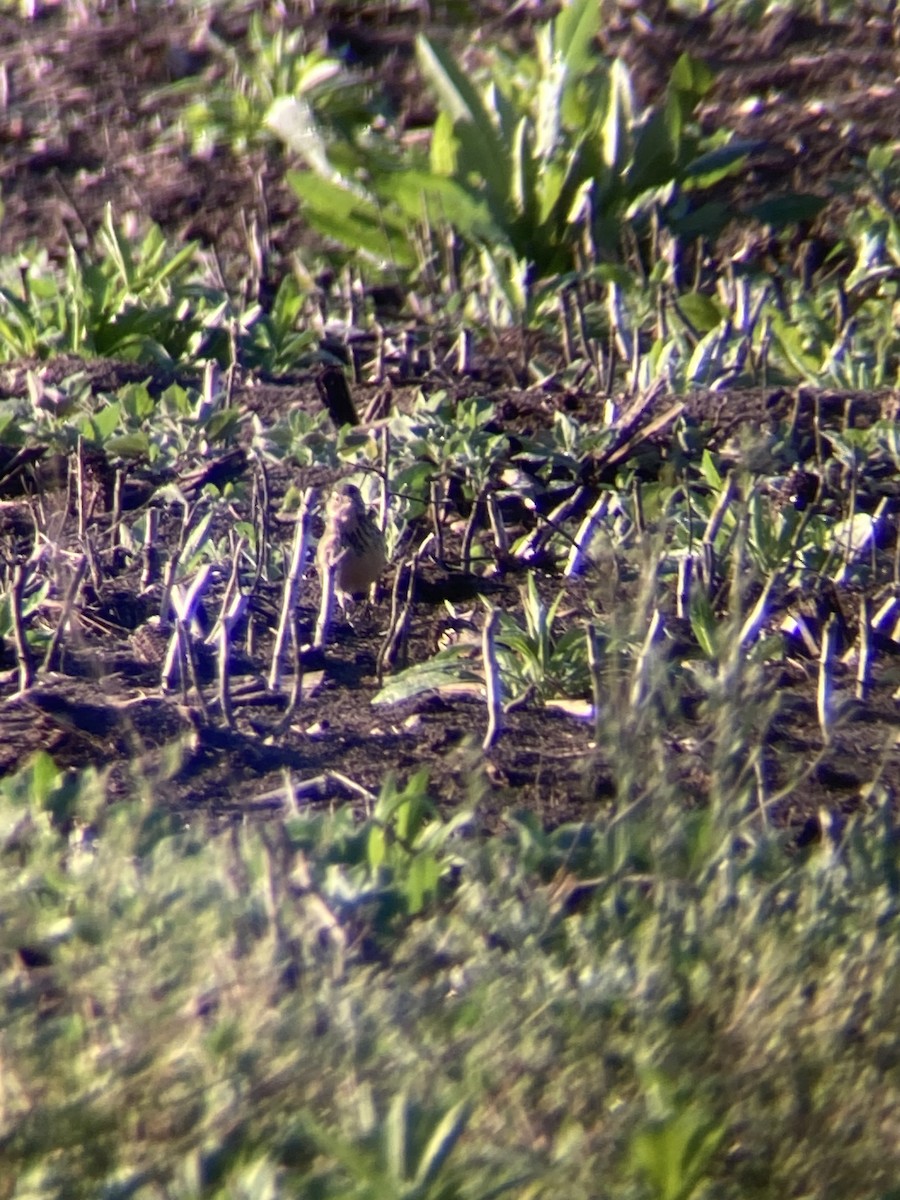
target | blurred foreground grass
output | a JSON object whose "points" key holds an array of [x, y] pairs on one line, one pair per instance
{"points": [[652, 1005]]}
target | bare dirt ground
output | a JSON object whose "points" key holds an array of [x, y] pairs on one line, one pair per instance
{"points": [[81, 127]]}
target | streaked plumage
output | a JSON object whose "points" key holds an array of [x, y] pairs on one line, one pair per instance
{"points": [[352, 544]]}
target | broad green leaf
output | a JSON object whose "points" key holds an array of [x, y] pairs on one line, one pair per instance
{"points": [[703, 623], [789, 339], [673, 1153], [691, 76], [444, 146], [354, 219], [105, 421], [161, 262], [450, 668], [702, 311], [19, 307], [412, 809], [881, 159], [481, 151], [221, 423], [653, 160], [704, 221], [503, 114], [549, 114], [10, 433], [129, 445], [413, 484], [550, 183], [137, 402], [376, 847], [117, 248], [517, 640], [574, 32], [577, 209], [704, 362], [436, 200], [710, 471], [611, 273], [45, 778], [583, 103], [421, 883]]}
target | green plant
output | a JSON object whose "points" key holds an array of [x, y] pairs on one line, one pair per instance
{"points": [[554, 147], [130, 426], [536, 656], [405, 1155], [647, 989], [550, 152], [445, 440], [673, 1151], [406, 847], [276, 341], [274, 65], [36, 593], [133, 303]]}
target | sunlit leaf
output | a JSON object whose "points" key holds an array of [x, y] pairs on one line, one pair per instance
{"points": [[673, 1153], [446, 1134], [353, 218], [449, 669], [692, 76], [523, 179], [105, 420], [703, 623], [702, 311], [437, 200], [481, 151], [222, 423], [617, 121], [575, 29], [129, 445], [444, 145], [790, 340], [709, 470]]}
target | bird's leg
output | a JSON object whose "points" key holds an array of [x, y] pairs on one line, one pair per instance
{"points": [[326, 605]]}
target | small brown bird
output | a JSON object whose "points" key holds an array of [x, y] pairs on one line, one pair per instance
{"points": [[352, 546]]}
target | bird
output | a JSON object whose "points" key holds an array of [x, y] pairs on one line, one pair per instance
{"points": [[352, 548]]}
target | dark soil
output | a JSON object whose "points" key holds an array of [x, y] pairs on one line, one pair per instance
{"points": [[80, 128]]}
